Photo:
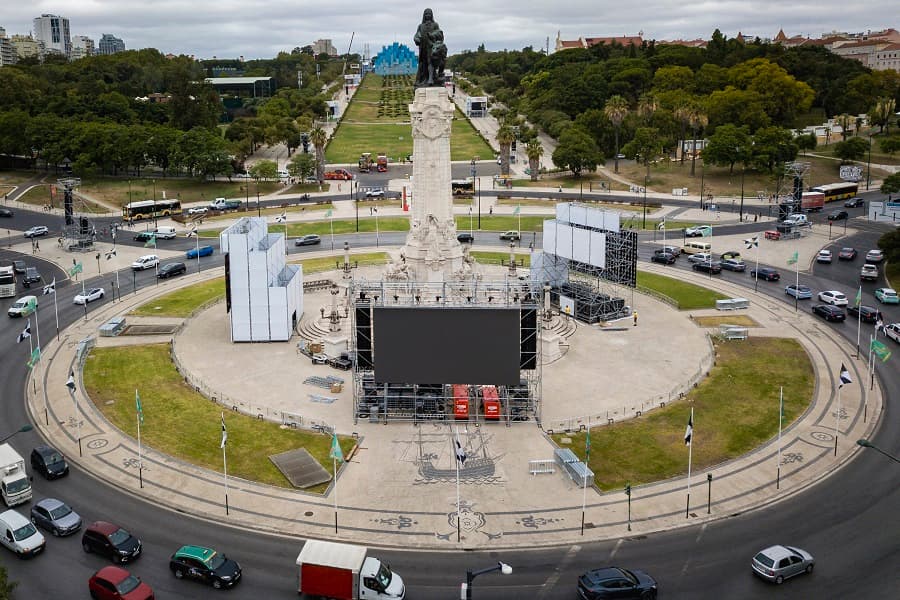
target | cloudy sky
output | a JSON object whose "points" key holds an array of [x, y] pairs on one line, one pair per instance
{"points": [[262, 28]]}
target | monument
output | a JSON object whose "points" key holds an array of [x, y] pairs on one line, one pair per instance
{"points": [[432, 253]]}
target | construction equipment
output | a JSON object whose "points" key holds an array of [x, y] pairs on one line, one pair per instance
{"points": [[365, 162], [382, 164]]}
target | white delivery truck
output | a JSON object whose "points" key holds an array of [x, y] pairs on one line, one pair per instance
{"points": [[15, 485], [345, 572]]}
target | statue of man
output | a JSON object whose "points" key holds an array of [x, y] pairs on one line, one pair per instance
{"points": [[424, 39]]}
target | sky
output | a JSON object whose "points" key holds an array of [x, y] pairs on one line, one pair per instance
{"points": [[262, 28]]}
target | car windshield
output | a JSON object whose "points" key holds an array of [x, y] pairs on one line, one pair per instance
{"points": [[384, 576], [24, 532], [54, 458], [215, 561], [128, 585], [60, 511], [118, 536], [19, 485], [763, 559]]}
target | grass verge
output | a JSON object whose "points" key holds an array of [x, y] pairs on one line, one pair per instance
{"points": [[118, 191], [740, 320], [735, 410], [180, 422], [496, 258], [687, 296], [330, 263], [184, 301]]}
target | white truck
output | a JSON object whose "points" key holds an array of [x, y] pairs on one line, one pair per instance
{"points": [[15, 485], [345, 572]]}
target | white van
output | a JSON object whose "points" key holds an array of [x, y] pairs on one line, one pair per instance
{"points": [[165, 233], [20, 535], [796, 219], [695, 247], [282, 174]]}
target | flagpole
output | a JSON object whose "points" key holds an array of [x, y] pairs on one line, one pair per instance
{"points": [[858, 319], [797, 295], [40, 361], [458, 515], [756, 284], [224, 462], [837, 417], [55, 309], [780, 419], [334, 469], [84, 294], [587, 459], [140, 451], [687, 509], [331, 222], [869, 362]]}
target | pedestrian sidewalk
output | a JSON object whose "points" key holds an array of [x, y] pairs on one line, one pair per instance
{"points": [[399, 488]]}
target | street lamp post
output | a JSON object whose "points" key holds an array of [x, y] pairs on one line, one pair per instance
{"points": [[708, 493], [478, 184], [867, 444], [504, 569], [741, 215], [258, 209], [22, 429]]}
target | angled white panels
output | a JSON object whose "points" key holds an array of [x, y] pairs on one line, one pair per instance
{"points": [[581, 245], [549, 236], [564, 241], [597, 254]]}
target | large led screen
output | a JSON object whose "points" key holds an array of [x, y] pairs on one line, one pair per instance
{"points": [[446, 345]]}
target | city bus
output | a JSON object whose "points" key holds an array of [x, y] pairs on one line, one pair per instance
{"points": [[463, 187], [7, 282], [150, 209], [837, 191]]}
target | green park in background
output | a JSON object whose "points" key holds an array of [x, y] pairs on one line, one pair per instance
{"points": [[735, 411], [180, 422]]}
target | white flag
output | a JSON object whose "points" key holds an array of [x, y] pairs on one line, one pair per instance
{"points": [[50, 288], [70, 382], [224, 432], [282, 217], [845, 376], [689, 432], [110, 254], [460, 452], [192, 232], [26, 333]]}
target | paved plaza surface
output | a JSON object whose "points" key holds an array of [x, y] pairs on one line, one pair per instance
{"points": [[399, 488]]}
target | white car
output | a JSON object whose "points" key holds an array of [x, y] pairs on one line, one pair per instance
{"points": [[36, 231], [22, 307], [824, 256], [243, 176], [698, 231], [20, 535], [375, 194], [148, 261], [89, 296], [700, 257], [874, 256], [893, 331], [319, 359], [197, 210], [833, 297]]}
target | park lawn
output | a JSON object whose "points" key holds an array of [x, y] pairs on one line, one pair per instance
{"points": [[498, 258], [14, 178], [552, 202], [116, 191], [735, 411], [740, 320], [274, 211], [334, 262], [182, 302], [180, 422], [588, 182], [687, 296]]}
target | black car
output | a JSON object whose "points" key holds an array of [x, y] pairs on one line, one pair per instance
{"points": [[839, 215], [734, 264], [31, 276], [171, 269], [865, 313], [19, 266], [829, 312], [5, 212], [766, 274], [665, 258], [308, 240], [712, 267], [465, 238], [205, 565], [48, 461], [613, 582], [111, 541], [854, 202], [144, 236]]}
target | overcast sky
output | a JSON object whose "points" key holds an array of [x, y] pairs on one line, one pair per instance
{"points": [[262, 28]]}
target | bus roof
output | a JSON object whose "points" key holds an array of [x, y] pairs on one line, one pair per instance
{"points": [[835, 186], [143, 203]]}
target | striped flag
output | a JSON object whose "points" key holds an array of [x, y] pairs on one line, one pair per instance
{"points": [[70, 382], [110, 254], [138, 407], [192, 232], [845, 376], [26, 333], [880, 350], [224, 433], [689, 432], [282, 217], [50, 288], [460, 452], [336, 453], [752, 242]]}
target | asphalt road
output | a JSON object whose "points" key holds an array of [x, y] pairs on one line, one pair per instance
{"points": [[849, 521]]}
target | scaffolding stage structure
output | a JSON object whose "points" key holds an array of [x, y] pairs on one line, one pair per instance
{"points": [[456, 401], [78, 232]]}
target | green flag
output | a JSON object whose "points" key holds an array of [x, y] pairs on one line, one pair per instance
{"points": [[35, 355], [587, 445], [137, 405], [76, 268], [151, 243], [328, 213], [794, 258], [880, 350], [858, 295], [706, 231], [336, 453], [517, 209], [32, 305]]}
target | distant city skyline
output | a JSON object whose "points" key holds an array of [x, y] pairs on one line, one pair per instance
{"points": [[263, 28]]}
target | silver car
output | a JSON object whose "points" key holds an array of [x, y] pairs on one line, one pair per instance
{"points": [[55, 516], [777, 563]]}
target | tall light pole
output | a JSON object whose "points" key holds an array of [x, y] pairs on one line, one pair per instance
{"points": [[22, 429], [867, 444], [646, 182], [504, 569], [869, 163]]}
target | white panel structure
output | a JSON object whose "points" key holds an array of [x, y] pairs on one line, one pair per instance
{"points": [[549, 236], [581, 245], [597, 249], [266, 293], [600, 219], [563, 241]]}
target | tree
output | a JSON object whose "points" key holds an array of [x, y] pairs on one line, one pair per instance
{"points": [[889, 145], [771, 148], [890, 242], [318, 137], [302, 165], [616, 110], [806, 141], [845, 121], [505, 137], [534, 150], [891, 184], [577, 152], [264, 169], [683, 113], [646, 146], [6, 586], [725, 144], [699, 121], [882, 112], [853, 149], [647, 106]]}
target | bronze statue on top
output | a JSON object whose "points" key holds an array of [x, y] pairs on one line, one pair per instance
{"points": [[432, 52]]}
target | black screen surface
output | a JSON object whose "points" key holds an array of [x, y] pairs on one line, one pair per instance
{"points": [[446, 345]]}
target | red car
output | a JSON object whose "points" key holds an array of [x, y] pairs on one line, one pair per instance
{"points": [[115, 583]]}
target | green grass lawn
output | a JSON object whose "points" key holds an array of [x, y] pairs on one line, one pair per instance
{"points": [[330, 263], [735, 410], [686, 295], [183, 302], [116, 191], [182, 423], [270, 212], [496, 258]]}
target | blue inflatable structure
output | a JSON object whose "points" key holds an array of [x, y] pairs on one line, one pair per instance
{"points": [[396, 59]]}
